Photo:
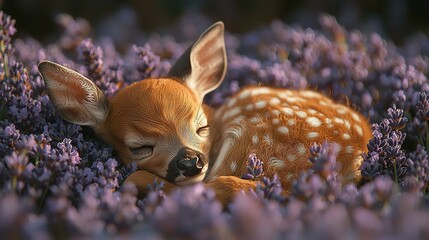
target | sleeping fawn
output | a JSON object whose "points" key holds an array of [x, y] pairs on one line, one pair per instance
{"points": [[163, 125]]}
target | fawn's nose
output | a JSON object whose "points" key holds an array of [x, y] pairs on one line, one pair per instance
{"points": [[189, 162]]}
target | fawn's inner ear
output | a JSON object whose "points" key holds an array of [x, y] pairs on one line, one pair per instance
{"points": [[202, 67], [76, 98]]}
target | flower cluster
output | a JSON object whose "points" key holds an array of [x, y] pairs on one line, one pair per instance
{"points": [[254, 169], [57, 180]]}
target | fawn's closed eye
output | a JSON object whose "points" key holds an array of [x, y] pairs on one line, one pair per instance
{"points": [[143, 151], [203, 131]]}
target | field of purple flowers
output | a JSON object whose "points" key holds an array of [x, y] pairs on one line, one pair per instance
{"points": [[57, 180]]}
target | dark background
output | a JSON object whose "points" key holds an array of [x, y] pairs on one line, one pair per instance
{"points": [[393, 19]]}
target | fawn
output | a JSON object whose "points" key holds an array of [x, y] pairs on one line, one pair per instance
{"points": [[163, 125]]}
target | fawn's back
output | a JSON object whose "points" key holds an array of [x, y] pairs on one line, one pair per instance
{"points": [[162, 124]]}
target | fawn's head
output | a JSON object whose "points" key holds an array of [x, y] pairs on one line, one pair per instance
{"points": [[161, 124]]}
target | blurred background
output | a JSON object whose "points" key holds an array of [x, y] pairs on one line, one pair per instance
{"points": [[396, 20]]}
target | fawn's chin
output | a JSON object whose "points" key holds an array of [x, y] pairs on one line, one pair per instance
{"points": [[183, 180]]}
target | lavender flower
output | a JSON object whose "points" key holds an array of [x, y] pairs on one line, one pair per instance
{"points": [[92, 58], [321, 180], [270, 189], [58, 181], [254, 169], [7, 30], [190, 212], [385, 156], [147, 60], [396, 119], [423, 106]]}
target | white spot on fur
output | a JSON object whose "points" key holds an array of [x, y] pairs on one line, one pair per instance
{"points": [[238, 120], [347, 124], [274, 101], [276, 121], [260, 91], [287, 111], [232, 102], [260, 104], [339, 120], [341, 110], [359, 130], [244, 94], [294, 99], [232, 112], [310, 94], [346, 136], [255, 120], [300, 148], [285, 94], [312, 135], [283, 130], [233, 166], [276, 163], [312, 111], [291, 157], [291, 122], [301, 114], [255, 139], [249, 107], [355, 117], [313, 121], [268, 140], [349, 149], [275, 112]]}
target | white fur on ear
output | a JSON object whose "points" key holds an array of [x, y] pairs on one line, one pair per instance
{"points": [[203, 66], [76, 98]]}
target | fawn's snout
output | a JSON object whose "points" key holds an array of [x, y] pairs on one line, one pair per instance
{"points": [[187, 163]]}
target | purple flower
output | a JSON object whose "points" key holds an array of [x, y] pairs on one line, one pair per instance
{"points": [[92, 58], [254, 169], [396, 119], [147, 60], [190, 212], [423, 106], [270, 189], [59, 181]]}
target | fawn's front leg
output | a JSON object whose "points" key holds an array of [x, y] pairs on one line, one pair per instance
{"points": [[142, 179], [226, 187]]}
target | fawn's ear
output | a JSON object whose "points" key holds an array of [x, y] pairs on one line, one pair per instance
{"points": [[76, 98], [202, 66]]}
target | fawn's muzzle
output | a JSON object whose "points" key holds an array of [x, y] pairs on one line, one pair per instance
{"points": [[187, 162]]}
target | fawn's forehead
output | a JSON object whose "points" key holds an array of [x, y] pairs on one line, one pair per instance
{"points": [[155, 99]]}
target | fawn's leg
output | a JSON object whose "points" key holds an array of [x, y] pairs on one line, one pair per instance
{"points": [[143, 179], [226, 187]]}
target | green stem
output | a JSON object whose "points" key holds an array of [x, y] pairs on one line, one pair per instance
{"points": [[36, 160], [2, 111], [427, 136], [5, 59], [42, 199], [395, 172], [14, 182]]}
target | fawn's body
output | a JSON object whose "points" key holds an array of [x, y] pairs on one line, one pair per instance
{"points": [[279, 126], [163, 126]]}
